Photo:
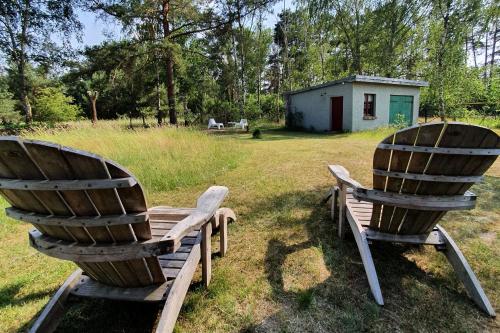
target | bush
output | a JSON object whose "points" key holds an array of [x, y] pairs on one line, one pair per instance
{"points": [[257, 134], [8, 113], [400, 122], [52, 105], [273, 107]]}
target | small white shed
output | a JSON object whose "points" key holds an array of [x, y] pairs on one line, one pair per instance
{"points": [[354, 103]]}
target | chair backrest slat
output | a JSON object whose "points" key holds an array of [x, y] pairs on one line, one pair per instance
{"points": [[446, 169], [35, 160], [65, 185]]}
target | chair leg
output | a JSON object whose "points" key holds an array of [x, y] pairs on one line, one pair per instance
{"points": [[223, 235], [55, 309], [224, 215], [341, 204], [366, 257], [206, 253], [465, 273]]}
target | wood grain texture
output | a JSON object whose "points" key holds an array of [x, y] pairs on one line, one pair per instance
{"points": [[206, 253], [448, 159], [465, 273], [40, 167], [420, 173]]}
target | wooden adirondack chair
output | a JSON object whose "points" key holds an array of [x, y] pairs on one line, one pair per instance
{"points": [[419, 173], [90, 210]]}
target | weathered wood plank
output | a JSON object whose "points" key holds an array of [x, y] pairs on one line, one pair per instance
{"points": [[65, 185], [433, 238], [366, 256], [206, 206], [172, 263], [465, 273], [170, 273], [441, 150], [75, 221], [343, 176], [206, 253], [429, 178], [178, 291], [101, 252], [225, 215], [420, 202], [87, 287]]}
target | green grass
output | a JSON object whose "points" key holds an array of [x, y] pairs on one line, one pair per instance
{"points": [[285, 270]]}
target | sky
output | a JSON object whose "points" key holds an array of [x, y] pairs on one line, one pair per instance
{"points": [[96, 30]]}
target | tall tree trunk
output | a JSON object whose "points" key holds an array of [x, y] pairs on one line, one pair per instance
{"points": [[21, 66], [93, 99], [440, 61], [486, 56], [93, 110], [159, 111], [357, 43], [493, 49], [259, 74], [242, 63], [169, 62], [473, 44], [25, 102]]}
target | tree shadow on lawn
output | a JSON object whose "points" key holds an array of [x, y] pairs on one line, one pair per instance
{"points": [[415, 300], [278, 134], [8, 295]]}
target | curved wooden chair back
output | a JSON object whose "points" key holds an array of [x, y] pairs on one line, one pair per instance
{"points": [[436, 159], [45, 183]]}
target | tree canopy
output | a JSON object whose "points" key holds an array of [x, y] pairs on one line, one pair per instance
{"points": [[192, 60]]}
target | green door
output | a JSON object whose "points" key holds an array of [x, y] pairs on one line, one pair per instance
{"points": [[401, 110]]}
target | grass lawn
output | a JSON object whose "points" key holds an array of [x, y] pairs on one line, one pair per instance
{"points": [[285, 271]]}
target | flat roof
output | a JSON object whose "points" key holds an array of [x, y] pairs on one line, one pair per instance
{"points": [[363, 79]]}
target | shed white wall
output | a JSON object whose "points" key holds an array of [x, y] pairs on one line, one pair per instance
{"points": [[315, 106], [382, 101]]}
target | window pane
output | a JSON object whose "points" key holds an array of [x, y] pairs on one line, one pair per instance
{"points": [[369, 105]]}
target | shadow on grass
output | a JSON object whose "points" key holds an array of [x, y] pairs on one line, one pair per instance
{"points": [[488, 193], [285, 134], [411, 294], [8, 295], [227, 132]]}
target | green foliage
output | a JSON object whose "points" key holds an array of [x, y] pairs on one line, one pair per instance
{"points": [[272, 107], [305, 299], [400, 121], [241, 69], [8, 112], [52, 105]]}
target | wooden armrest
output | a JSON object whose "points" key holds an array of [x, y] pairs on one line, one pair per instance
{"points": [[206, 206], [343, 176]]}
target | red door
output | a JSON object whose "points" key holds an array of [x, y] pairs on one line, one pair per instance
{"points": [[337, 111]]}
